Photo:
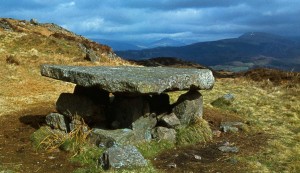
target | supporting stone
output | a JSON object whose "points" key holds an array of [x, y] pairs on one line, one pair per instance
{"points": [[189, 107], [71, 105]]}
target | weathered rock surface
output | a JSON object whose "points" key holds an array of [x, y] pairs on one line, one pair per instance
{"points": [[72, 105], [189, 107], [231, 126], [142, 127], [163, 133], [169, 120], [122, 157], [225, 100], [57, 121], [107, 138], [134, 80]]}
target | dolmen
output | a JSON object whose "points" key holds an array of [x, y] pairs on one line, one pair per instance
{"points": [[128, 104]]}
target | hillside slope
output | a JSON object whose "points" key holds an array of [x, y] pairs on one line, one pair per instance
{"points": [[25, 45], [249, 50]]}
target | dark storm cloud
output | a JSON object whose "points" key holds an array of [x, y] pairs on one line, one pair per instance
{"points": [[154, 19]]}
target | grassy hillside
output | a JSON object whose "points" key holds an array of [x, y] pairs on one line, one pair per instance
{"points": [[24, 46]]}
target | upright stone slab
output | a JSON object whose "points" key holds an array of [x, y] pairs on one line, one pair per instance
{"points": [[188, 107], [133, 80]]}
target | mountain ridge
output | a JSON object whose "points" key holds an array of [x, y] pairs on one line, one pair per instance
{"points": [[253, 49]]}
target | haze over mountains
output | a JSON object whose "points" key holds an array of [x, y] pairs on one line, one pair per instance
{"points": [[253, 49], [123, 45]]}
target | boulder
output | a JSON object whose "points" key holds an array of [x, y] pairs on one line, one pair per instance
{"points": [[189, 107], [225, 100], [142, 127], [57, 121], [107, 138], [163, 133], [119, 156], [132, 80], [231, 126], [72, 105], [91, 55], [34, 21], [169, 120]]}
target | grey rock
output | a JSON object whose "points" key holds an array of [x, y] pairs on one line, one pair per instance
{"points": [[225, 100], [133, 80], [107, 138], [230, 126], [169, 120], [125, 110], [4, 24], [229, 149], [34, 21], [163, 133], [91, 55], [57, 121], [189, 107], [142, 127], [72, 105], [126, 156]]}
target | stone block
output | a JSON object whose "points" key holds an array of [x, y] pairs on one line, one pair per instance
{"points": [[189, 107]]}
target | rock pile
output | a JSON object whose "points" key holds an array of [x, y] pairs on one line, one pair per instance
{"points": [[123, 105]]}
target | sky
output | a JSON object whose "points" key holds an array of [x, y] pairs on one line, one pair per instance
{"points": [[149, 20]]}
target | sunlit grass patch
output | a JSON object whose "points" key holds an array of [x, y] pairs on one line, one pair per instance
{"points": [[198, 131]]}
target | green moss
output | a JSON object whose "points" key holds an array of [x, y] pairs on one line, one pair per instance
{"points": [[39, 136], [153, 148], [194, 133]]}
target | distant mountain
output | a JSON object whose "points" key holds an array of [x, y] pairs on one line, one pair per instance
{"points": [[124, 46], [166, 42], [253, 49], [118, 45]]}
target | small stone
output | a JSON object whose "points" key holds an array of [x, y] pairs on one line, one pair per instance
{"points": [[224, 101], [172, 165], [231, 126], [122, 157], [34, 21], [170, 120], [229, 149], [197, 157], [164, 133], [217, 133], [57, 121]]}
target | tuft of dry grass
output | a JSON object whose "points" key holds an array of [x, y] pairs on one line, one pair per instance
{"points": [[50, 140]]}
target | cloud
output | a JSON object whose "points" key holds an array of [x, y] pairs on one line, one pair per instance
{"points": [[153, 19]]}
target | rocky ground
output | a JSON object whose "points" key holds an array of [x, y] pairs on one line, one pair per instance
{"points": [[17, 153]]}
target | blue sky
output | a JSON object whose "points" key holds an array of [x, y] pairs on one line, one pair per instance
{"points": [[148, 20]]}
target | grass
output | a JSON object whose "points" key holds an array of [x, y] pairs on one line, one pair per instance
{"points": [[269, 109], [199, 131]]}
